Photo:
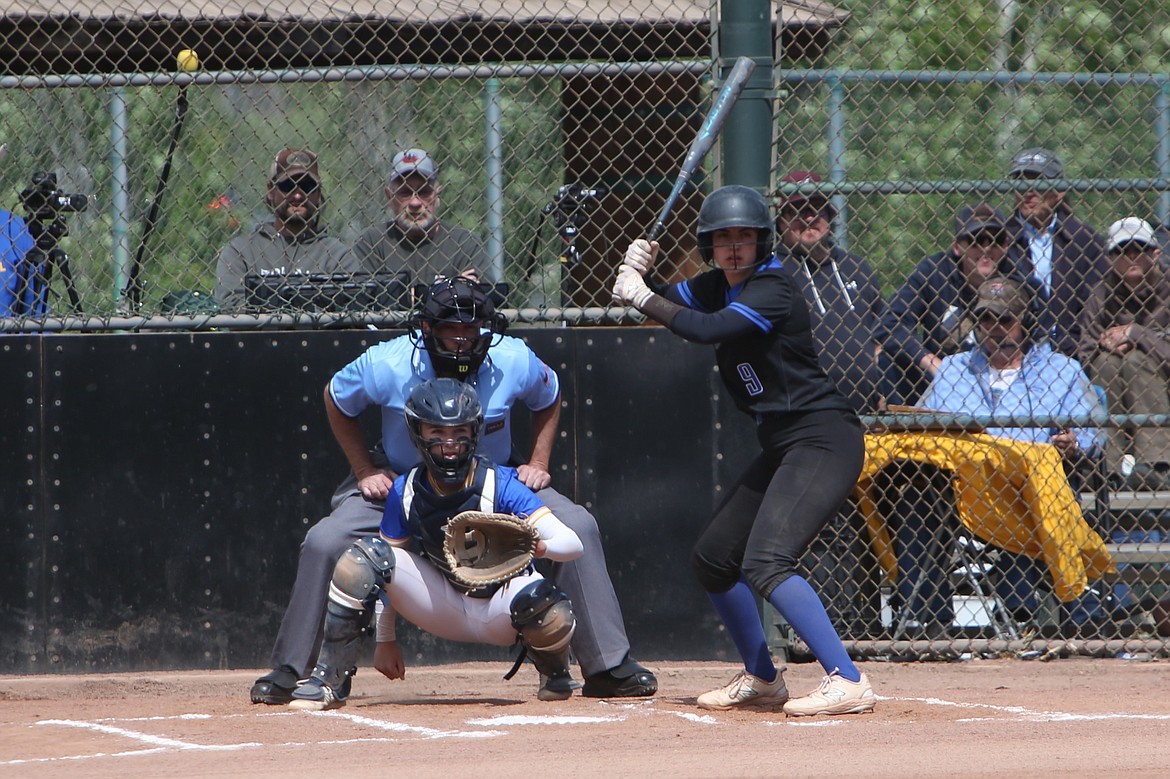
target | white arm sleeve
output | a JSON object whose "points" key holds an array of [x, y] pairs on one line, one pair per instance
{"points": [[563, 544], [386, 617]]}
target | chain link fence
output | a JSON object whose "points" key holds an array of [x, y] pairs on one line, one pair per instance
{"points": [[131, 171]]}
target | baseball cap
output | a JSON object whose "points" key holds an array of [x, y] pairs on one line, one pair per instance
{"points": [[803, 177], [1002, 296], [1037, 162], [413, 161], [294, 161], [977, 217], [1130, 230]]}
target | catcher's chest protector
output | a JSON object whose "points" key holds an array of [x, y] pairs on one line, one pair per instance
{"points": [[427, 514]]}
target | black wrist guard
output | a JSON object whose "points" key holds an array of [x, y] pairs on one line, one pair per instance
{"points": [[660, 309]]}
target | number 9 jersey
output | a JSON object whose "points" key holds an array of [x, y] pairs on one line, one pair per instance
{"points": [[770, 366]]}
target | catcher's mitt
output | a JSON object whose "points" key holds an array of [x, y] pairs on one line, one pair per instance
{"points": [[483, 548]]}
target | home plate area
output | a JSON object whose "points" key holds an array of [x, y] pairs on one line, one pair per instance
{"points": [[1057, 718]]}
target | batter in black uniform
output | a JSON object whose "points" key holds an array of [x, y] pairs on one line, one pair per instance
{"points": [[813, 450]]}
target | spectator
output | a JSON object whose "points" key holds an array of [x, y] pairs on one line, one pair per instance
{"points": [[294, 242], [22, 290], [414, 240], [841, 290], [930, 316], [1066, 256], [1125, 347], [1014, 372]]}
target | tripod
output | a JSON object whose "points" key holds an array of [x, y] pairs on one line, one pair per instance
{"points": [[570, 211], [36, 270], [46, 207]]}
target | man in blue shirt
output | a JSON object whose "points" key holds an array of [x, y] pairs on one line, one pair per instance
{"points": [[457, 334], [1014, 372], [21, 291]]}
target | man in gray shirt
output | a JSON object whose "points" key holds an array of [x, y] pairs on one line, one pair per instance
{"points": [[294, 242], [414, 240]]}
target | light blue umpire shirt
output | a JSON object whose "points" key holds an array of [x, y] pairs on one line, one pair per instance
{"points": [[387, 372]]}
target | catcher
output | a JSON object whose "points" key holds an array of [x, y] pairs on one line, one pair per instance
{"points": [[447, 561]]}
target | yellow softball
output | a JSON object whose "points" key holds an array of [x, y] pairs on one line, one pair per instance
{"points": [[187, 61]]}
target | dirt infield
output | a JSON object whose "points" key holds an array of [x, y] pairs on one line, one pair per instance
{"points": [[1067, 718]]}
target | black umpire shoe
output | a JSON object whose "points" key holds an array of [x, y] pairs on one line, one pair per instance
{"points": [[275, 687], [628, 679]]}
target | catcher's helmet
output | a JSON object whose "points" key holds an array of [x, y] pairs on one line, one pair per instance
{"points": [[460, 300], [444, 403], [735, 206]]}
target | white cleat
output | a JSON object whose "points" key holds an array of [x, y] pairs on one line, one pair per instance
{"points": [[836, 695], [746, 691]]}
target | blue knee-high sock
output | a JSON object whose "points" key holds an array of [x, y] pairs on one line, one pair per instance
{"points": [[741, 616], [798, 603]]}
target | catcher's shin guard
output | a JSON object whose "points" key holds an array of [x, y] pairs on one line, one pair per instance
{"points": [[360, 574], [543, 616]]}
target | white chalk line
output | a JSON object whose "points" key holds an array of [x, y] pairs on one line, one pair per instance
{"points": [[159, 744], [1030, 715], [517, 719], [401, 727], [138, 736]]}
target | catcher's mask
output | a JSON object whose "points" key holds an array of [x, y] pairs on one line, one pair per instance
{"points": [[444, 403], [457, 300], [734, 206]]}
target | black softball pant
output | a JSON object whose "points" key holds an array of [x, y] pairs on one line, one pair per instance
{"points": [[809, 465]]}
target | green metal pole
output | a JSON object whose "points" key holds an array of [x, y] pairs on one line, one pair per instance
{"points": [[745, 30]]}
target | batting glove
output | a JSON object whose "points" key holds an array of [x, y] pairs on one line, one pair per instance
{"points": [[630, 288], [641, 255]]}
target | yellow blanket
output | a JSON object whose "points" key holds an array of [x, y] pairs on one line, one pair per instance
{"points": [[1010, 493]]}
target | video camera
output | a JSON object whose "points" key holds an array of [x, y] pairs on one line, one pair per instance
{"points": [[43, 200], [570, 211]]}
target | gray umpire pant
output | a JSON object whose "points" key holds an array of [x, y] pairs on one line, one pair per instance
{"points": [[599, 642]]}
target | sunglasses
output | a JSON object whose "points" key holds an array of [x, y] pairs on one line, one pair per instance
{"points": [[990, 320], [1132, 249], [425, 192], [987, 240], [809, 212], [306, 184]]}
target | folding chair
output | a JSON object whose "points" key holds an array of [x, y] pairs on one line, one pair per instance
{"points": [[964, 560]]}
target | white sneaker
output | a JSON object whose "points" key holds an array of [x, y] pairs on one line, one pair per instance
{"points": [[314, 696], [836, 695], [746, 691]]}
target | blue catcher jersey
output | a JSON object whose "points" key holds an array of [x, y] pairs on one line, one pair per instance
{"points": [[417, 518], [387, 372]]}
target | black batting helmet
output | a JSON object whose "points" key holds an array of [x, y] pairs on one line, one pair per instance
{"points": [[457, 300], [444, 403], [735, 206]]}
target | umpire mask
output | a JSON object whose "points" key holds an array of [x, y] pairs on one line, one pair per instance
{"points": [[457, 352]]}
